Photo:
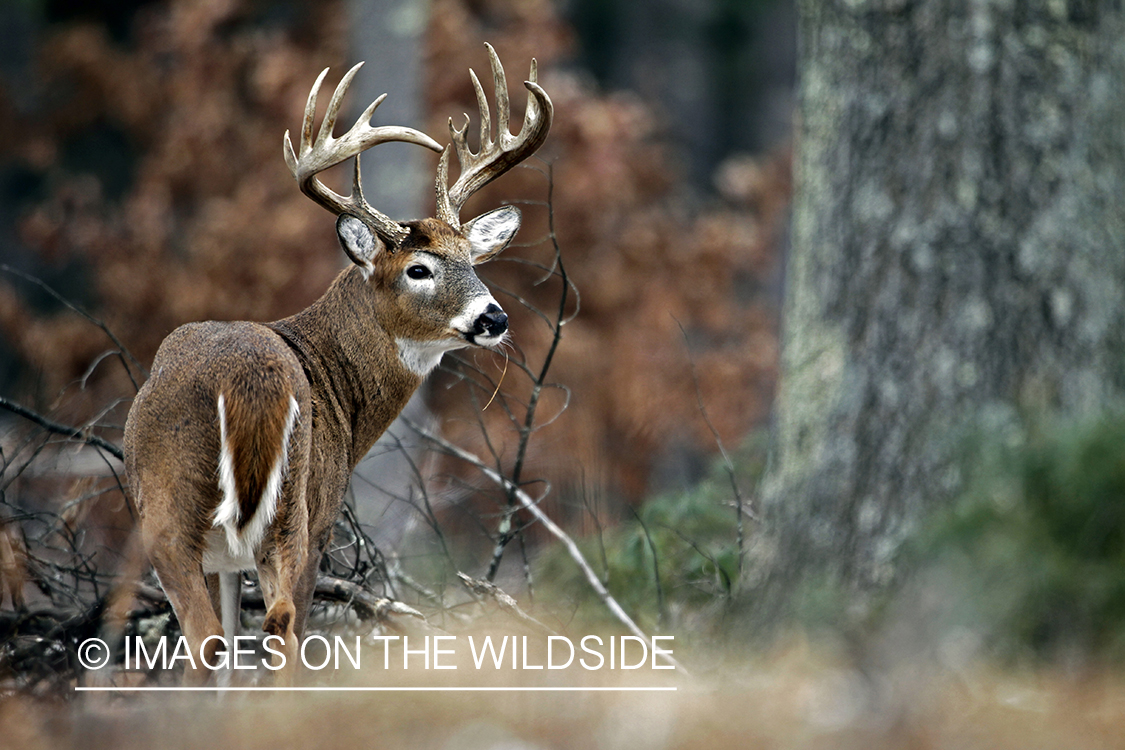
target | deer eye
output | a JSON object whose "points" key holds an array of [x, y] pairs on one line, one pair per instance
{"points": [[418, 272]]}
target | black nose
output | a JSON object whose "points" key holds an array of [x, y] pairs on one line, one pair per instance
{"points": [[492, 321]]}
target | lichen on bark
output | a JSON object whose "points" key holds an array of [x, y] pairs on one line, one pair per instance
{"points": [[958, 251]]}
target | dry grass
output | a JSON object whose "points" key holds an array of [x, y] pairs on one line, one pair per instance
{"points": [[796, 698]]}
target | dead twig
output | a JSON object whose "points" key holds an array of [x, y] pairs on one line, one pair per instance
{"points": [[505, 602], [660, 608], [740, 504], [122, 353], [62, 429], [510, 528]]}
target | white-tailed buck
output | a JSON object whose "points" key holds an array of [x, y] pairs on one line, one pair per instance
{"points": [[240, 445]]}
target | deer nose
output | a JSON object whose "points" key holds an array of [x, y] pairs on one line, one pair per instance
{"points": [[492, 321]]}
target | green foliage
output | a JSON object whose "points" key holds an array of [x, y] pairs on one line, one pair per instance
{"points": [[1037, 541], [694, 536]]}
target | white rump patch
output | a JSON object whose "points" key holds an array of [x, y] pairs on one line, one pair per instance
{"points": [[241, 546]]}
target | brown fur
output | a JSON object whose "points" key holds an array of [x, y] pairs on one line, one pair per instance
{"points": [[256, 411], [13, 573], [339, 360], [277, 622]]}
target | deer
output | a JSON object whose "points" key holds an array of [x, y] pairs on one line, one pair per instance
{"points": [[239, 447]]}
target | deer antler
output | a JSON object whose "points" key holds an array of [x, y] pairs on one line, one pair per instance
{"points": [[495, 157], [326, 151]]}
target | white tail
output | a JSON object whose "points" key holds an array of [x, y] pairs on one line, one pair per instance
{"points": [[243, 539], [240, 445]]}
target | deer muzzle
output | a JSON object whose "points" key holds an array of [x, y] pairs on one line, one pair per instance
{"points": [[492, 323]]}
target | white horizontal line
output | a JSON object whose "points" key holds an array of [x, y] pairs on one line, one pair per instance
{"points": [[432, 689]]}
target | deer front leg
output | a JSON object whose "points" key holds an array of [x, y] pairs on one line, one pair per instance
{"points": [[225, 590]]}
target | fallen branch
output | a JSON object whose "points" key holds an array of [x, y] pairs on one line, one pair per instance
{"points": [[367, 606], [504, 601]]}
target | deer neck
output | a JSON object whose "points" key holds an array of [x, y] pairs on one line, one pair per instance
{"points": [[351, 361]]}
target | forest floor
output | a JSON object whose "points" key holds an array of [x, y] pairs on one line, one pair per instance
{"points": [[794, 698]]}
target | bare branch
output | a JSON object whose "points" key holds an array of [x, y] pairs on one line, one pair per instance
{"points": [[122, 352], [741, 506], [62, 429], [660, 609], [538, 383], [528, 504]]}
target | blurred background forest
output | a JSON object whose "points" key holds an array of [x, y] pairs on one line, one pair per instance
{"points": [[937, 209], [142, 182]]}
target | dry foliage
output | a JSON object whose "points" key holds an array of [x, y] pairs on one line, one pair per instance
{"points": [[643, 264], [211, 226]]}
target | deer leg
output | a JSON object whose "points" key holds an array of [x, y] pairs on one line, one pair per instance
{"points": [[281, 616], [306, 587], [172, 544], [212, 580], [198, 622], [279, 572], [225, 590], [230, 606]]}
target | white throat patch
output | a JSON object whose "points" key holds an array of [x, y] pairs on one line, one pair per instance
{"points": [[421, 357]]}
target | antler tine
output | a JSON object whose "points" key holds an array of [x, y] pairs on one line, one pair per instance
{"points": [[501, 86], [329, 122], [485, 115], [357, 183], [310, 114], [445, 212], [306, 126], [495, 157], [326, 151], [532, 114]]}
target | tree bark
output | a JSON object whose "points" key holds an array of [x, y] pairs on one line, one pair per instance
{"points": [[388, 35], [398, 178], [958, 256]]}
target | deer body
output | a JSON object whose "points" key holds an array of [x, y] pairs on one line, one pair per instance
{"points": [[240, 445]]}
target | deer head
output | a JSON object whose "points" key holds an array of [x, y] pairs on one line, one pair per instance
{"points": [[430, 298]]}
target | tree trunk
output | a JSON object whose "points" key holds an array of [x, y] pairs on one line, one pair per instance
{"points": [[398, 178], [958, 256], [388, 35]]}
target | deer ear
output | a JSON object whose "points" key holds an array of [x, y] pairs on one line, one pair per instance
{"points": [[490, 233], [358, 241]]}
